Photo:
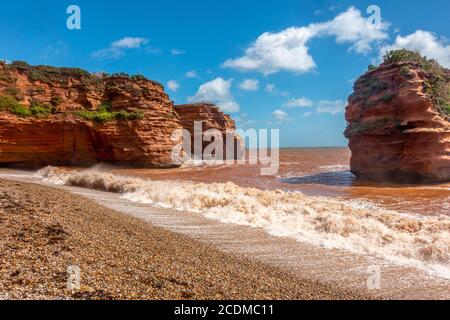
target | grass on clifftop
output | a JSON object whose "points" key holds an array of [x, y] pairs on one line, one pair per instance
{"points": [[50, 74], [104, 114], [437, 84]]}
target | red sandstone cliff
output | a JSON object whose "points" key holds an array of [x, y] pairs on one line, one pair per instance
{"points": [[211, 118], [397, 128], [56, 116]]}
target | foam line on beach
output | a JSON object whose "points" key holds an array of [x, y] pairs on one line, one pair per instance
{"points": [[418, 241]]}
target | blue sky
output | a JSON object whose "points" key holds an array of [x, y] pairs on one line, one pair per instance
{"points": [[273, 64]]}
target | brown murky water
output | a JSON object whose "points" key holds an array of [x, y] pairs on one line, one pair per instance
{"points": [[407, 225], [316, 172]]}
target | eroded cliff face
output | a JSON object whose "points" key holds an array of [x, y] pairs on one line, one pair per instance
{"points": [[139, 133], [397, 131], [211, 118]]}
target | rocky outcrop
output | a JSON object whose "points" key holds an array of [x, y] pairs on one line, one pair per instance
{"points": [[61, 118], [398, 123], [64, 140], [210, 117], [69, 117]]}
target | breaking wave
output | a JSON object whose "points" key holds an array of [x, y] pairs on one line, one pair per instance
{"points": [[203, 163], [419, 241], [336, 167]]}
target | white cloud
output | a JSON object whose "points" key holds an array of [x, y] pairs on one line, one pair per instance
{"points": [[192, 74], [249, 85], [334, 8], [217, 91], [280, 115], [242, 121], [299, 103], [288, 50], [424, 42], [117, 48], [173, 85], [351, 27], [59, 48], [331, 107], [270, 88], [129, 43], [274, 52], [318, 12], [177, 52], [108, 53]]}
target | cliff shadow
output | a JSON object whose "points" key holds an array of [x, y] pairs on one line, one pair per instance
{"points": [[335, 178], [348, 179]]}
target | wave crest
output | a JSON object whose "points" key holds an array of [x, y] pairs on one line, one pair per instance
{"points": [[423, 242]]}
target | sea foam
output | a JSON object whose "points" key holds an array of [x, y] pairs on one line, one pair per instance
{"points": [[419, 241]]}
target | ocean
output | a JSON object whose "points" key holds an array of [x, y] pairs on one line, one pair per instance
{"points": [[314, 199], [314, 172]]}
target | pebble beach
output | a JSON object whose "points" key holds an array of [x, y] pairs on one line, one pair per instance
{"points": [[43, 231]]}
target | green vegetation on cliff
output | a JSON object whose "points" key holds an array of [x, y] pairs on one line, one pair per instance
{"points": [[40, 110], [437, 84], [10, 104], [105, 114], [43, 80], [379, 126], [50, 74], [368, 86]]}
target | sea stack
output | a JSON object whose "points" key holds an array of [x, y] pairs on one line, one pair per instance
{"points": [[211, 118], [399, 121]]}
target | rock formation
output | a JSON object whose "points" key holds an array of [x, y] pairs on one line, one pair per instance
{"points": [[69, 117], [211, 118], [398, 121]]}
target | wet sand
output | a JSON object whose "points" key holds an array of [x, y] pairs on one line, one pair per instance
{"points": [[44, 230]]}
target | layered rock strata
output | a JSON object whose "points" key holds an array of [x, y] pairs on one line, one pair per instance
{"points": [[204, 118], [69, 117], [398, 129]]}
